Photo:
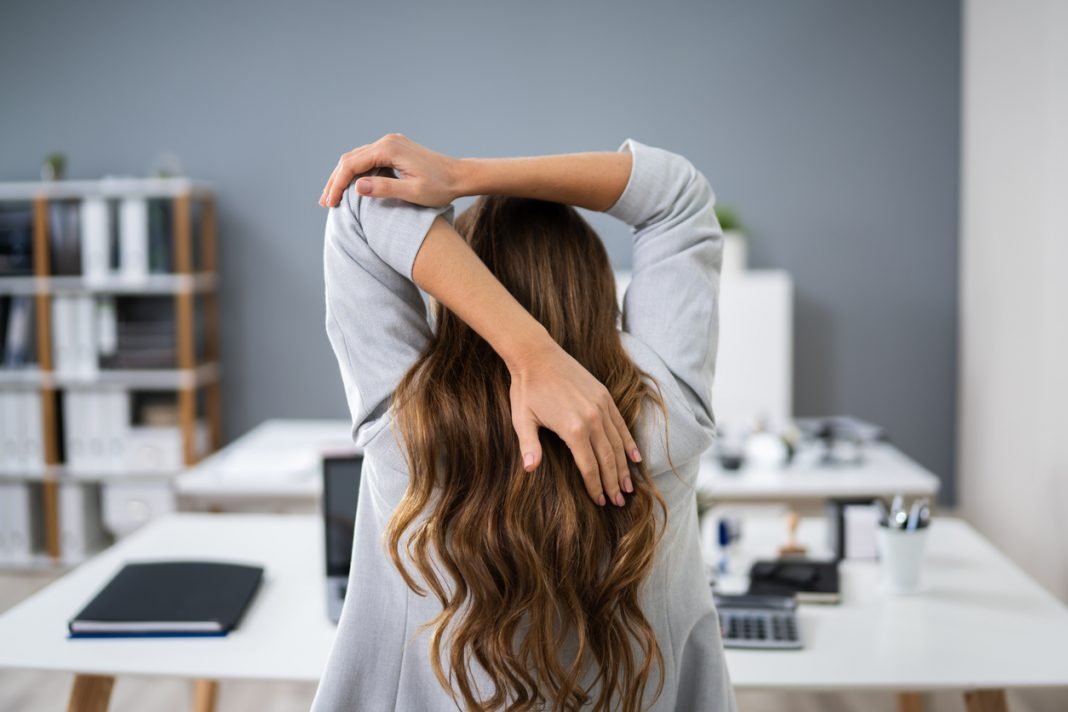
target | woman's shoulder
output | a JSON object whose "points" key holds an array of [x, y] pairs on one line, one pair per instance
{"points": [[675, 429]]}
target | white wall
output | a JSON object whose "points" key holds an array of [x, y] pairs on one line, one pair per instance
{"points": [[1013, 394]]}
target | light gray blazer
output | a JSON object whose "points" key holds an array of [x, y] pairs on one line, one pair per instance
{"points": [[377, 324]]}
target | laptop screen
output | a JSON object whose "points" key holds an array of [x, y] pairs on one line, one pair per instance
{"points": [[341, 487]]}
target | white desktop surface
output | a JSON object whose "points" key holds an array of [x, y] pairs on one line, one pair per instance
{"points": [[884, 471], [285, 634], [979, 622], [278, 460]]}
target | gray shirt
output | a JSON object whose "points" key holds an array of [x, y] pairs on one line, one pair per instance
{"points": [[377, 324]]}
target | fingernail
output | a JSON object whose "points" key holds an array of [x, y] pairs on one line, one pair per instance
{"points": [[619, 500], [528, 461], [600, 500], [628, 486], [635, 455], [363, 186]]}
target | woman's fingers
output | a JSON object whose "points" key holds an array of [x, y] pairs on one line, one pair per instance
{"points": [[380, 187], [352, 164], [619, 458], [586, 461], [627, 444], [606, 465], [529, 443]]}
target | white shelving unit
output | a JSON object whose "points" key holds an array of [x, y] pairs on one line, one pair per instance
{"points": [[195, 381]]}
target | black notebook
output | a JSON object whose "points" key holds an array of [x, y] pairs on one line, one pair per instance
{"points": [[810, 581], [170, 598]]}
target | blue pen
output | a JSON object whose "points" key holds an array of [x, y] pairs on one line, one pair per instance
{"points": [[724, 535]]}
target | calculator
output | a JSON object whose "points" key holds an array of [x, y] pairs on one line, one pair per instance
{"points": [[758, 621]]}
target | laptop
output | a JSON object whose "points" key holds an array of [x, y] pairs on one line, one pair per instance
{"points": [[341, 488]]}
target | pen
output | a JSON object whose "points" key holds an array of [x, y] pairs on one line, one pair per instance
{"points": [[914, 515]]}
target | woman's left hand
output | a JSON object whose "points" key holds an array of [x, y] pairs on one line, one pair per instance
{"points": [[424, 176]]}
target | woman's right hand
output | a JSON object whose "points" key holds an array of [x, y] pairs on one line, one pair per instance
{"points": [[551, 390], [424, 176]]}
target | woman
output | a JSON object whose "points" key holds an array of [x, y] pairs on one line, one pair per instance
{"points": [[515, 547]]}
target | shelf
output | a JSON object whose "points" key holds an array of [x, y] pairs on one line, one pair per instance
{"points": [[23, 376], [61, 474], [146, 379], [192, 286], [152, 284], [37, 562], [104, 187], [43, 562]]}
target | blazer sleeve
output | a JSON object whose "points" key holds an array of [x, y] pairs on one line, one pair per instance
{"points": [[376, 319], [672, 302]]}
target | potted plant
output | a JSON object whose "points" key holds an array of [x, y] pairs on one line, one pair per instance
{"points": [[54, 166], [734, 240]]}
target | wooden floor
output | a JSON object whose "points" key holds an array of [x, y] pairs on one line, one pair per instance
{"points": [[44, 692]]}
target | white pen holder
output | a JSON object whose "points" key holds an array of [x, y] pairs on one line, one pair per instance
{"points": [[901, 551]]}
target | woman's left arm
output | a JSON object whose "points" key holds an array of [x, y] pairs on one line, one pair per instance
{"points": [[375, 317], [376, 321]]}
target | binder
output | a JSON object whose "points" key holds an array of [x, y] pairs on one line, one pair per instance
{"points": [[34, 431], [170, 598], [7, 435], [133, 239], [80, 532], [107, 327], [14, 433], [76, 447], [18, 523], [84, 356], [5, 516], [18, 348], [96, 234], [94, 427], [63, 334], [116, 405]]}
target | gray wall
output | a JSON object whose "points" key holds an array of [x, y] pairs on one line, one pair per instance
{"points": [[831, 126]]}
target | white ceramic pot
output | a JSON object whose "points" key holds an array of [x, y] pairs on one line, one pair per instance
{"points": [[735, 248], [901, 551]]}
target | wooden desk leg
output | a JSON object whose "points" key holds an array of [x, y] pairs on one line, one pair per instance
{"points": [[909, 702], [985, 701], [204, 693], [90, 693]]}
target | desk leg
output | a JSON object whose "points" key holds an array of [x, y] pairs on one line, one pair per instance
{"points": [[204, 693], [90, 693], [909, 702], [985, 701]]}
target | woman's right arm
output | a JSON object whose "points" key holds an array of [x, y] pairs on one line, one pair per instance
{"points": [[672, 301]]}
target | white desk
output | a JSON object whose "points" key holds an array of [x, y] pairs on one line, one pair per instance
{"points": [[980, 622], [884, 472], [285, 634], [277, 462]]}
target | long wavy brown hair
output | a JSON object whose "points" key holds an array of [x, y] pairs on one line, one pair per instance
{"points": [[524, 563]]}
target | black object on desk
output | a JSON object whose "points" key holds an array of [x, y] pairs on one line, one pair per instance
{"points": [[341, 491], [169, 598], [810, 581]]}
